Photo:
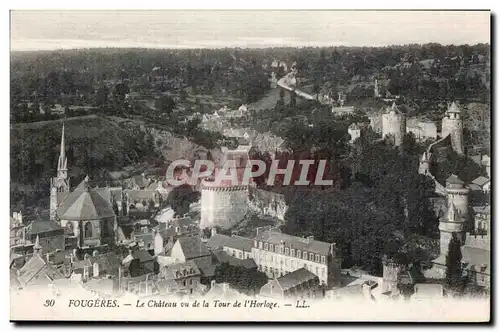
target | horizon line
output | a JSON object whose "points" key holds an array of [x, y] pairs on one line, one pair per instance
{"points": [[198, 47]]}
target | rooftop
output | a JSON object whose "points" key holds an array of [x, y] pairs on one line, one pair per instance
{"points": [[481, 181], [192, 247], [43, 226], [295, 278], [305, 244], [180, 270], [85, 204], [453, 179], [223, 257], [217, 241]]}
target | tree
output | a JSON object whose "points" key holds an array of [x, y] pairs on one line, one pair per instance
{"points": [[454, 262], [165, 104]]}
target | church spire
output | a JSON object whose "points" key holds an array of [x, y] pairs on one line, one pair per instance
{"points": [[63, 161]]}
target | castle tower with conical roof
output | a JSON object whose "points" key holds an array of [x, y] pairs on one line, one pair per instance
{"points": [[455, 220], [394, 124], [452, 126], [60, 183]]}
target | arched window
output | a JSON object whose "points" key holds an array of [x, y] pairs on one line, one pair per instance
{"points": [[88, 230]]}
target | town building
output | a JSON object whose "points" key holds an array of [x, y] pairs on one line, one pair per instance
{"points": [[278, 254], [482, 184], [180, 277], [50, 234], [191, 248], [235, 246], [297, 284]]}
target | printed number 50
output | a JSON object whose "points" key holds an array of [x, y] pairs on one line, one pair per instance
{"points": [[49, 303]]}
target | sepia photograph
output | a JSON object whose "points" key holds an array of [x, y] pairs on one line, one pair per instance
{"points": [[250, 165]]}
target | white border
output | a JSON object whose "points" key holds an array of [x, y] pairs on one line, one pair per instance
{"points": [[128, 4]]}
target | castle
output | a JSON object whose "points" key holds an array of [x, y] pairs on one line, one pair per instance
{"points": [[395, 125]]}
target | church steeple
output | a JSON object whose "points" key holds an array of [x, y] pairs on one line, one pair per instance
{"points": [[62, 170]]}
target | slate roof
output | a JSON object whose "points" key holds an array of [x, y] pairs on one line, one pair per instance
{"points": [[43, 226], [476, 256], [453, 179], [294, 242], [108, 262], [295, 278], [454, 108], [85, 204], [217, 241], [180, 270], [192, 247], [223, 257], [205, 265], [135, 196], [31, 269], [481, 181], [139, 180], [482, 209]]}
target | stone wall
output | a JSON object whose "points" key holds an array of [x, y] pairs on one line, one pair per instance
{"points": [[267, 203]]}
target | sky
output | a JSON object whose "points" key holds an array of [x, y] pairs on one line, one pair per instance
{"points": [[49, 30]]}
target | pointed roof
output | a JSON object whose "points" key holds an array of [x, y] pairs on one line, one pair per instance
{"points": [[354, 126], [453, 179], [37, 243], [453, 108], [62, 162], [393, 108], [85, 203]]}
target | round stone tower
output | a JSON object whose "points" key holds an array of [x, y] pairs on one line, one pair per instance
{"points": [[455, 220], [354, 131], [452, 125], [224, 202], [394, 124], [222, 205]]}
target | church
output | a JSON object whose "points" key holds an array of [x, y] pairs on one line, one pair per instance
{"points": [[88, 215]]}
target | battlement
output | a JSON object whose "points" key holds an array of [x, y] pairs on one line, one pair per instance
{"points": [[224, 188]]}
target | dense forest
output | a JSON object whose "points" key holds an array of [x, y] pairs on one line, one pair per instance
{"points": [[386, 197]]}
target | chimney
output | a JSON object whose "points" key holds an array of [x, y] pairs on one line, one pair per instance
{"points": [[225, 287], [47, 257], [214, 231], [212, 283]]}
